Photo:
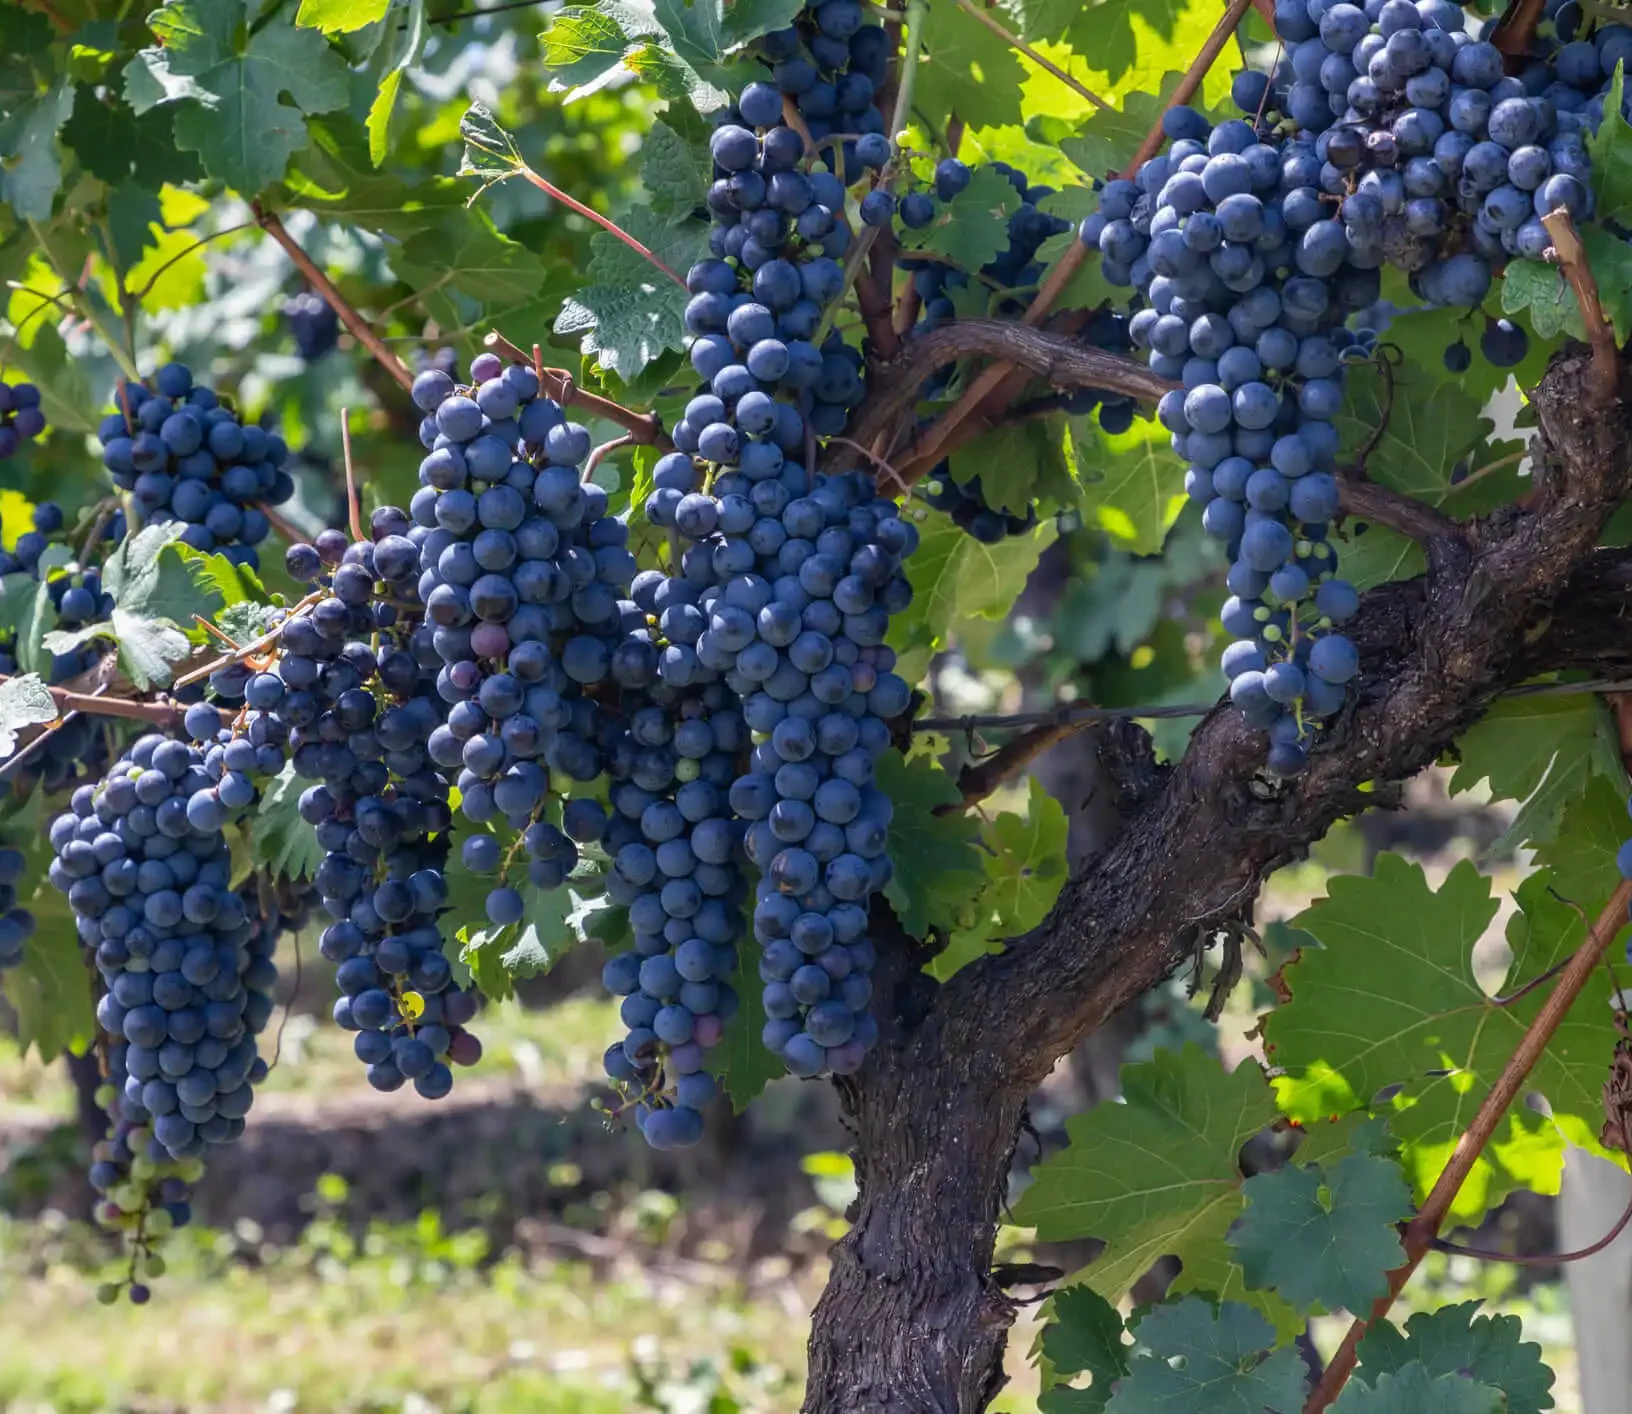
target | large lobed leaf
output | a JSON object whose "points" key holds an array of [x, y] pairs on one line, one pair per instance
{"points": [[1390, 999], [1159, 1176], [1193, 1356], [233, 77]]}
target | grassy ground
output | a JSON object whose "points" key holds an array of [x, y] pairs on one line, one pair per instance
{"points": [[409, 1319]]}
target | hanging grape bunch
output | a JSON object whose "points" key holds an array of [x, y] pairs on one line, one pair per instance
{"points": [[186, 456]]}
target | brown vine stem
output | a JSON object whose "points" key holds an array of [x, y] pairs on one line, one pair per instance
{"points": [[282, 524], [272, 224], [642, 427], [1044, 353], [161, 711], [979, 779], [928, 450], [354, 505], [595, 457], [606, 223], [266, 640], [1048, 65], [1423, 1228], [1572, 260], [1366, 500]]}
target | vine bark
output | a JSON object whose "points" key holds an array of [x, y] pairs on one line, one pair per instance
{"points": [[912, 1321]]}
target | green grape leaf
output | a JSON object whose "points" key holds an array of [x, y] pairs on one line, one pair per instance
{"points": [[247, 620], [1611, 151], [25, 701], [584, 47], [118, 145], [30, 171], [341, 16], [1106, 142], [65, 393], [1133, 482], [740, 1062], [973, 228], [675, 172], [1024, 860], [499, 956], [403, 52], [1540, 750], [1084, 1335], [704, 31], [153, 575], [148, 647], [1456, 1340], [630, 312], [954, 577], [1019, 465], [49, 990], [1541, 293], [967, 70], [1158, 1176], [1412, 1390], [135, 222], [1423, 335], [1610, 260], [1430, 429], [1324, 1235], [1581, 856], [938, 871], [239, 124], [1191, 1356], [280, 842], [1390, 999]]}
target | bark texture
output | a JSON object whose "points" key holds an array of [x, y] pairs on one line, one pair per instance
{"points": [[912, 1321]]}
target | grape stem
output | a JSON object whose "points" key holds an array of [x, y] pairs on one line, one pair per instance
{"points": [[589, 213], [1061, 360], [265, 641], [161, 711], [642, 427], [1368, 501], [1421, 1231], [1572, 260], [927, 450], [1047, 65], [980, 779], [361, 330], [282, 524], [354, 505]]}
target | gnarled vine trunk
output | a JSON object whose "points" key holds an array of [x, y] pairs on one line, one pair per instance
{"points": [[912, 1321]]}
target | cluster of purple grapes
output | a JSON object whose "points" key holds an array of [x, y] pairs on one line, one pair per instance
{"points": [[676, 853], [143, 860], [20, 417], [185, 456], [1248, 286], [143, 1185], [1444, 164], [314, 326], [551, 662], [524, 577], [353, 693]]}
